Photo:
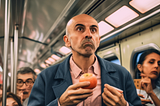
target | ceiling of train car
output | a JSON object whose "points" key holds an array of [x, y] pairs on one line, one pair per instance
{"points": [[41, 25]]}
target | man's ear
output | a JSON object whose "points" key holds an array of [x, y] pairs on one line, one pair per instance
{"points": [[139, 66], [66, 40]]}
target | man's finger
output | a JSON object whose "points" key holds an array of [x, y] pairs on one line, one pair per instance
{"points": [[79, 85], [112, 89]]}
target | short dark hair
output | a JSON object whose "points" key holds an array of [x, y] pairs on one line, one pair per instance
{"points": [[12, 95], [26, 70]]}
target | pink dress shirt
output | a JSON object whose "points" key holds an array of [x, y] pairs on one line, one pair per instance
{"points": [[76, 72]]}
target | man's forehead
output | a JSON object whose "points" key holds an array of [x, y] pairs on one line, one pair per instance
{"points": [[83, 19], [25, 76], [85, 24]]}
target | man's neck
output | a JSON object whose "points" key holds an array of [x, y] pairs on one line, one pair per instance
{"points": [[84, 62]]}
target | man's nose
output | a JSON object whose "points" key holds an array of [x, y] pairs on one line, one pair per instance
{"points": [[88, 37], [88, 33], [24, 86]]}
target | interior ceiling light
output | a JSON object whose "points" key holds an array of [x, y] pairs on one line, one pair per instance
{"points": [[37, 71], [51, 59], [48, 62], [55, 57], [64, 50], [144, 5], [43, 65], [121, 16], [104, 28]]}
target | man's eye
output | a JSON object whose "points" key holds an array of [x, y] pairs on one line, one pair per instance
{"points": [[80, 29], [93, 30], [19, 81], [29, 81]]}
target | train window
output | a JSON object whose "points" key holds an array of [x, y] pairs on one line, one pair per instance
{"points": [[138, 56], [112, 58], [137, 75], [116, 61]]}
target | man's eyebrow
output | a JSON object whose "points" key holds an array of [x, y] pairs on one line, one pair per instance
{"points": [[84, 25], [94, 26], [79, 25]]}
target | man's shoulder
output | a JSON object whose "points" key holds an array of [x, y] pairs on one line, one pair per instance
{"points": [[112, 66], [54, 68]]}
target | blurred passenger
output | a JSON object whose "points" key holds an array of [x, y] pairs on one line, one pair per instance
{"points": [[25, 80], [11, 100], [149, 69], [59, 85], [1, 88]]}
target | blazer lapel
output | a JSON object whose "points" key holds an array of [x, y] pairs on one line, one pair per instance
{"points": [[108, 74], [62, 78]]}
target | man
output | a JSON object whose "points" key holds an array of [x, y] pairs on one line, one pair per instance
{"points": [[59, 85], [25, 80]]}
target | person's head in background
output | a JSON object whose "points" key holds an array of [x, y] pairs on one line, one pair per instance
{"points": [[1, 88], [11, 100], [25, 80], [149, 64]]}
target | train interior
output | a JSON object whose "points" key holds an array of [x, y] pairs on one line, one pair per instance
{"points": [[31, 31]]}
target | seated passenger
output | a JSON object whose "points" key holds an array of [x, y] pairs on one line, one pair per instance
{"points": [[1, 88], [149, 69], [11, 100]]}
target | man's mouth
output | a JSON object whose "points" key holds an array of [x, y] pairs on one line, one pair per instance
{"points": [[25, 92]]}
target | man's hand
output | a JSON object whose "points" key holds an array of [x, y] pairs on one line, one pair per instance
{"points": [[113, 97], [74, 94]]}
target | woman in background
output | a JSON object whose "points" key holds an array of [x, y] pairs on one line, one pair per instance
{"points": [[11, 100], [149, 69]]}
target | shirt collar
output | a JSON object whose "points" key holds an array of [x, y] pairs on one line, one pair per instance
{"points": [[94, 67]]}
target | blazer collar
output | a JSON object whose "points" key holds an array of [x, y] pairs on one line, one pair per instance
{"points": [[63, 78], [108, 75]]}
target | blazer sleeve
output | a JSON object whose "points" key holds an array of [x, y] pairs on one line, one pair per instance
{"points": [[37, 96], [131, 93]]}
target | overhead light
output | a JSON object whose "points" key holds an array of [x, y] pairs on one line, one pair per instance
{"points": [[37, 71], [64, 50], [121, 16], [51, 59], [48, 62], [55, 57], [43, 65], [104, 28], [144, 5]]}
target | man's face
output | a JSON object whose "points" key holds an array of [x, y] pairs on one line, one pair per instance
{"points": [[83, 35], [24, 89]]}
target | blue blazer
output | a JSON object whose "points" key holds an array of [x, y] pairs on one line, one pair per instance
{"points": [[53, 81]]}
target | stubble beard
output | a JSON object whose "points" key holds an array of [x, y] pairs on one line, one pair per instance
{"points": [[87, 54]]}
